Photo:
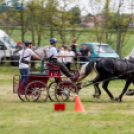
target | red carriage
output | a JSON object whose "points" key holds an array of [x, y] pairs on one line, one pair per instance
{"points": [[40, 86]]}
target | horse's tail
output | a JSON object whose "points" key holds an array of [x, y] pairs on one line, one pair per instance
{"points": [[86, 70]]}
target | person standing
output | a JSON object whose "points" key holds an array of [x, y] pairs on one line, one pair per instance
{"points": [[25, 59], [74, 45], [62, 54], [85, 53], [70, 54]]}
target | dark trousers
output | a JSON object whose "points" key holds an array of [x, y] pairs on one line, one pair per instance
{"points": [[63, 68], [23, 72], [68, 65]]}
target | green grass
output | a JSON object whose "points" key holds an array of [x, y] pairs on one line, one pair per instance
{"points": [[87, 36], [101, 117]]}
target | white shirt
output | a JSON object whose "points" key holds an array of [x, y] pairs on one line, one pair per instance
{"points": [[26, 52], [53, 52], [69, 53], [61, 58]]}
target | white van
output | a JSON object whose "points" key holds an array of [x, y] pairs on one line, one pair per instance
{"points": [[7, 46]]}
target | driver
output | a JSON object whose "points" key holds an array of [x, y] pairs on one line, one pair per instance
{"points": [[54, 55]]}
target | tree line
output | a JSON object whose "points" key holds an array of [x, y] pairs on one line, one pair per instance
{"points": [[41, 15]]}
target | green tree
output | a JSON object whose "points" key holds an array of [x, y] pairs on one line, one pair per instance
{"points": [[113, 24], [51, 13], [76, 15], [39, 20]]}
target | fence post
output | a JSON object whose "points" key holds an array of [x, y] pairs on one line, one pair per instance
{"points": [[78, 64]]}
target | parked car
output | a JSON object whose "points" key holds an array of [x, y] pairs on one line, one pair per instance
{"points": [[7, 47], [100, 50]]}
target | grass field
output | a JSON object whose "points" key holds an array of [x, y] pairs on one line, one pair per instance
{"points": [[101, 117], [87, 36]]}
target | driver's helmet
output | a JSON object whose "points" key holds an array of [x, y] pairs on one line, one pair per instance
{"points": [[53, 40]]}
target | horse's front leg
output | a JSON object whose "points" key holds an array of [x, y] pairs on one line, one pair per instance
{"points": [[105, 85], [128, 82]]}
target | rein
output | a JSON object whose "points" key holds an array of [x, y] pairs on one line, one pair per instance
{"points": [[126, 73]]}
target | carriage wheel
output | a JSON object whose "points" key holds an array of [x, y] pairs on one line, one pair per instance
{"points": [[52, 88], [36, 91], [66, 91], [22, 97]]}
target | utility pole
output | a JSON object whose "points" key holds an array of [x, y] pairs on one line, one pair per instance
{"points": [[118, 31]]}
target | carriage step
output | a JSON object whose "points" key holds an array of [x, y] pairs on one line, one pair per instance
{"points": [[37, 74]]}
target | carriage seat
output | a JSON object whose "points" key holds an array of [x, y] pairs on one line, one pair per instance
{"points": [[53, 66], [37, 74]]}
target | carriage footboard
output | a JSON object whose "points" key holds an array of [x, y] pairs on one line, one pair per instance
{"points": [[16, 80]]}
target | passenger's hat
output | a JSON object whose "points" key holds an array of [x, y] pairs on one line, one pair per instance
{"points": [[53, 40]]}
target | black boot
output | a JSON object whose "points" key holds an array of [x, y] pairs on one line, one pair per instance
{"points": [[65, 70]]}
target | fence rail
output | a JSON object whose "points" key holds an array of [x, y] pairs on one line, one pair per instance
{"points": [[77, 63], [78, 57]]}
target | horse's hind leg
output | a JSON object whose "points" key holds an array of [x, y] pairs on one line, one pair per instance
{"points": [[105, 85], [97, 91], [128, 82], [96, 87]]}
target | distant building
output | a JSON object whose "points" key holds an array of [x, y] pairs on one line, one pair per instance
{"points": [[90, 21]]}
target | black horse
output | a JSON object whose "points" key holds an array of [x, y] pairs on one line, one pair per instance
{"points": [[107, 69]]}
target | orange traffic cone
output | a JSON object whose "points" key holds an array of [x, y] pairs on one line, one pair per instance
{"points": [[78, 105]]}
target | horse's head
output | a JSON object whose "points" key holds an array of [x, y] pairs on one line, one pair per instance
{"points": [[19, 47], [42, 51]]}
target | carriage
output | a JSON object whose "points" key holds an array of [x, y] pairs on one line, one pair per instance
{"points": [[52, 85]]}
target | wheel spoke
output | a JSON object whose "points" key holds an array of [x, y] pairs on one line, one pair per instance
{"points": [[36, 90], [67, 91], [52, 89]]}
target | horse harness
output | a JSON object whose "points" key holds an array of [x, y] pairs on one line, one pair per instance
{"points": [[126, 65]]}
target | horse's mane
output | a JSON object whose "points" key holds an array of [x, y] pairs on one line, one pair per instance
{"points": [[131, 60]]}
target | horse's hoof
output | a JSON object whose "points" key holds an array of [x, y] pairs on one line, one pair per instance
{"points": [[117, 99], [96, 96], [112, 99], [130, 92]]}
